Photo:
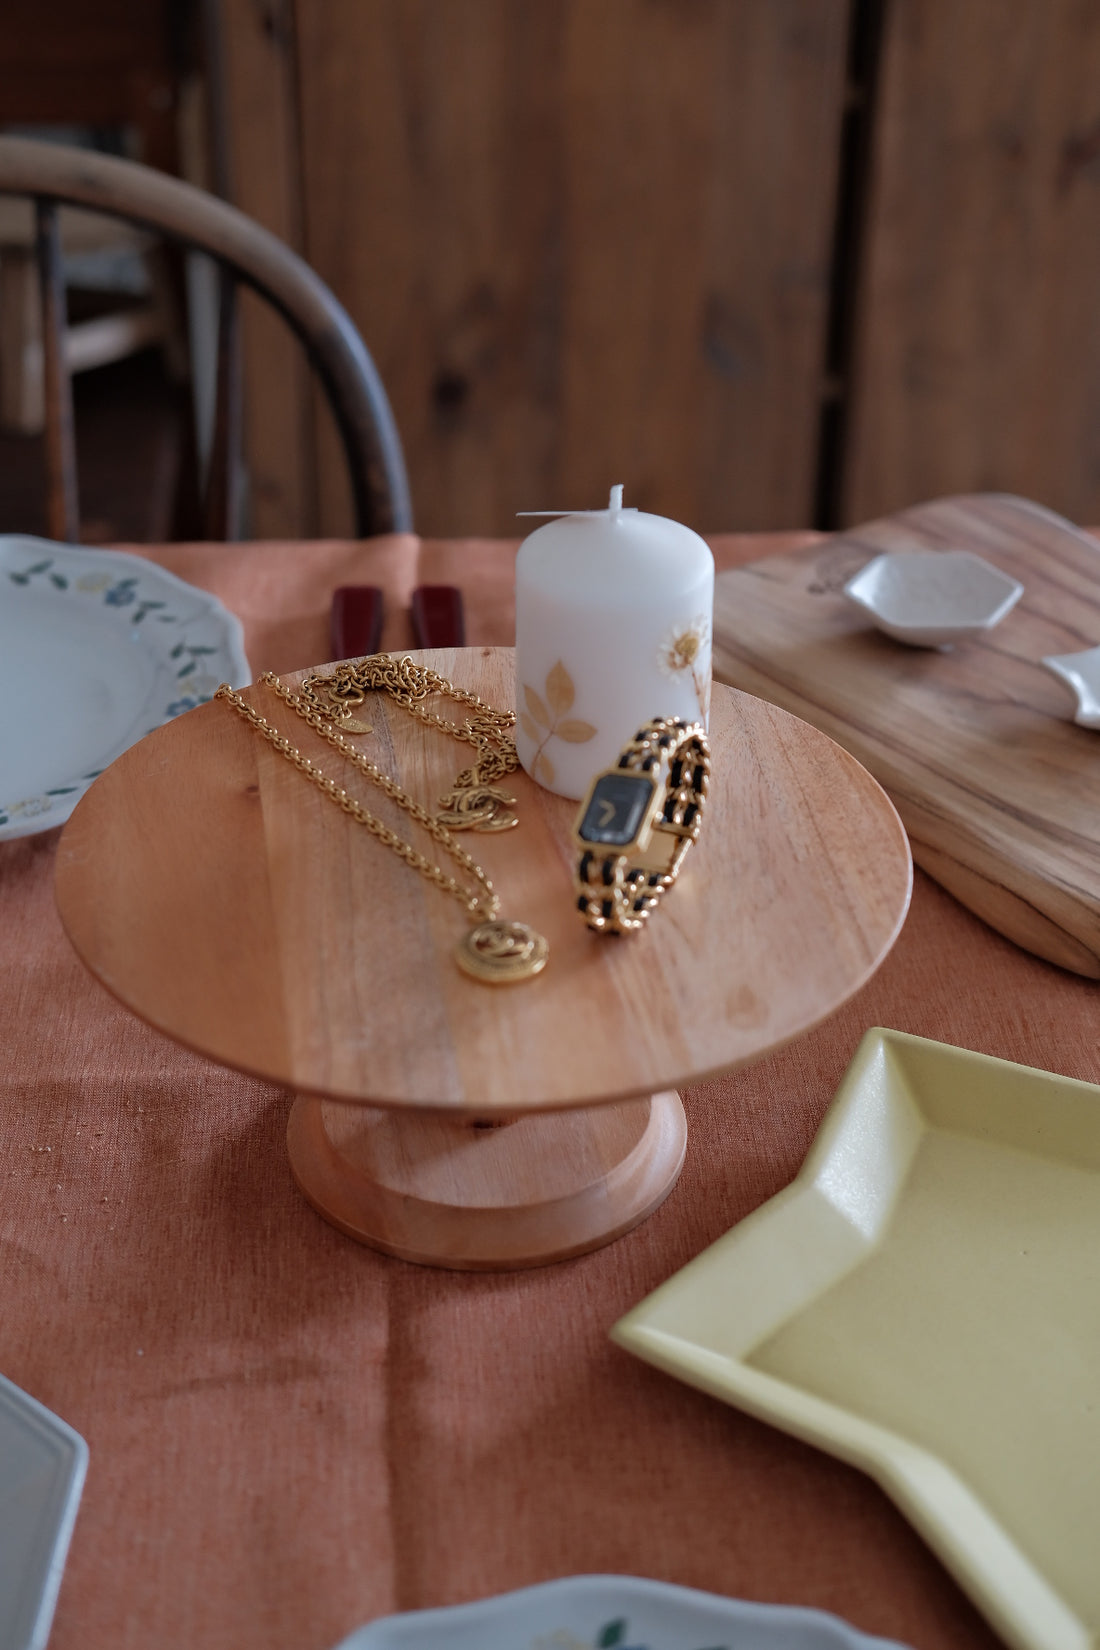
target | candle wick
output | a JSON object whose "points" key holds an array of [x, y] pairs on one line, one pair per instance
{"points": [[615, 507]]}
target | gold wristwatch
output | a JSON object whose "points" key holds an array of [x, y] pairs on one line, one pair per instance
{"points": [[637, 823]]}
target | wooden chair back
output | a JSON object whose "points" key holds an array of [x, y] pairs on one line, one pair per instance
{"points": [[244, 252]]}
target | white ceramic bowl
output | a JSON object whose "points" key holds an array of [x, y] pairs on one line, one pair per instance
{"points": [[931, 598], [612, 1613]]}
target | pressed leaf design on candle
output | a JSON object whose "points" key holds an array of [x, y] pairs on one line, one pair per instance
{"points": [[545, 719], [687, 647]]}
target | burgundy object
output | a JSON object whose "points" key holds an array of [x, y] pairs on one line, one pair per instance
{"points": [[437, 616], [356, 624]]}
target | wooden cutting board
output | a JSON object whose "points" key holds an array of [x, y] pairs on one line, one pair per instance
{"points": [[998, 788]]}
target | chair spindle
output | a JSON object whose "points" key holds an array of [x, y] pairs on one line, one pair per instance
{"points": [[63, 509]]}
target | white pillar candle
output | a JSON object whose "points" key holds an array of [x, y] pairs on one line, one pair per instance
{"points": [[613, 628]]}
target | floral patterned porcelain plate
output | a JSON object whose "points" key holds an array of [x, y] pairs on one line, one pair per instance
{"points": [[612, 1613], [97, 648]]}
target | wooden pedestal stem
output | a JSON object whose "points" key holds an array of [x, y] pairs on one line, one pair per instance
{"points": [[485, 1194]]}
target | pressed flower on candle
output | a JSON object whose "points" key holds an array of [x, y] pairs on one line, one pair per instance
{"points": [[613, 628], [687, 647]]}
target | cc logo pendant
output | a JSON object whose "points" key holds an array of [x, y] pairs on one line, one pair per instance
{"points": [[502, 953], [477, 808]]}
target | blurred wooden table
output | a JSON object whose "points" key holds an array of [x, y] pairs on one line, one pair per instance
{"points": [[291, 1434]]}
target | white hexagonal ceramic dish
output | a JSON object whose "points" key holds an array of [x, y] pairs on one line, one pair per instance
{"points": [[931, 598]]}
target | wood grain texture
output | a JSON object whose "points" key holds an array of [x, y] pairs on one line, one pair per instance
{"points": [[264, 166], [476, 1197], [977, 342], [586, 242], [115, 64], [997, 787], [232, 906]]}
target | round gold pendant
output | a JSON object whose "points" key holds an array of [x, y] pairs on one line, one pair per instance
{"points": [[502, 953]]}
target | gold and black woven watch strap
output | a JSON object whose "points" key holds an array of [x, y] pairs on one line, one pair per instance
{"points": [[615, 896]]}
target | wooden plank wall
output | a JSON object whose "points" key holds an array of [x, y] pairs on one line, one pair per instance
{"points": [[263, 163], [587, 241], [593, 240], [977, 352]]}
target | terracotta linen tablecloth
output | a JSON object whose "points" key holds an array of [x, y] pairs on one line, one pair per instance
{"points": [[291, 1434]]}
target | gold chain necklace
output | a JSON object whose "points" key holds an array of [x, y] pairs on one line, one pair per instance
{"points": [[473, 803], [500, 953]]}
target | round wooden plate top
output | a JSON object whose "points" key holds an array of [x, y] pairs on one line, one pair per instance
{"points": [[231, 905]]}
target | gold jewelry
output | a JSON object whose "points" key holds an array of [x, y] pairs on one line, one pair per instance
{"points": [[496, 952], [502, 952], [644, 813], [473, 802]]}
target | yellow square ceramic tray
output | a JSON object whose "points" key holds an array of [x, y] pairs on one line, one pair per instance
{"points": [[924, 1301]]}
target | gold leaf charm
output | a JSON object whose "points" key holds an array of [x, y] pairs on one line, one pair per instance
{"points": [[477, 808]]}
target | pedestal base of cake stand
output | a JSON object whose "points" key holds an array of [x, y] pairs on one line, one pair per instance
{"points": [[480, 1195]]}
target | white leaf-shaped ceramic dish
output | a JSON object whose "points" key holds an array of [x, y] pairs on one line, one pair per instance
{"points": [[1081, 672], [612, 1613], [930, 598], [97, 648]]}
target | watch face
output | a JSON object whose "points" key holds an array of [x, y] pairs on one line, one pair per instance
{"points": [[616, 809]]}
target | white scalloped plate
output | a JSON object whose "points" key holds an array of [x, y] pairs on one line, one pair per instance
{"points": [[97, 648], [42, 1467], [612, 1613]]}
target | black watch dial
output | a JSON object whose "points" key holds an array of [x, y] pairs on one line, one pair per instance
{"points": [[616, 809]]}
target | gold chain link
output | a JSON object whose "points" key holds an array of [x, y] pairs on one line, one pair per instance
{"points": [[484, 905], [335, 694]]}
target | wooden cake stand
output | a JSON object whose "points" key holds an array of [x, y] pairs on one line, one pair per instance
{"points": [[231, 905]]}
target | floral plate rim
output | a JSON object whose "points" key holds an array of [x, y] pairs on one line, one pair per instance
{"points": [[204, 635], [505, 1613]]}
